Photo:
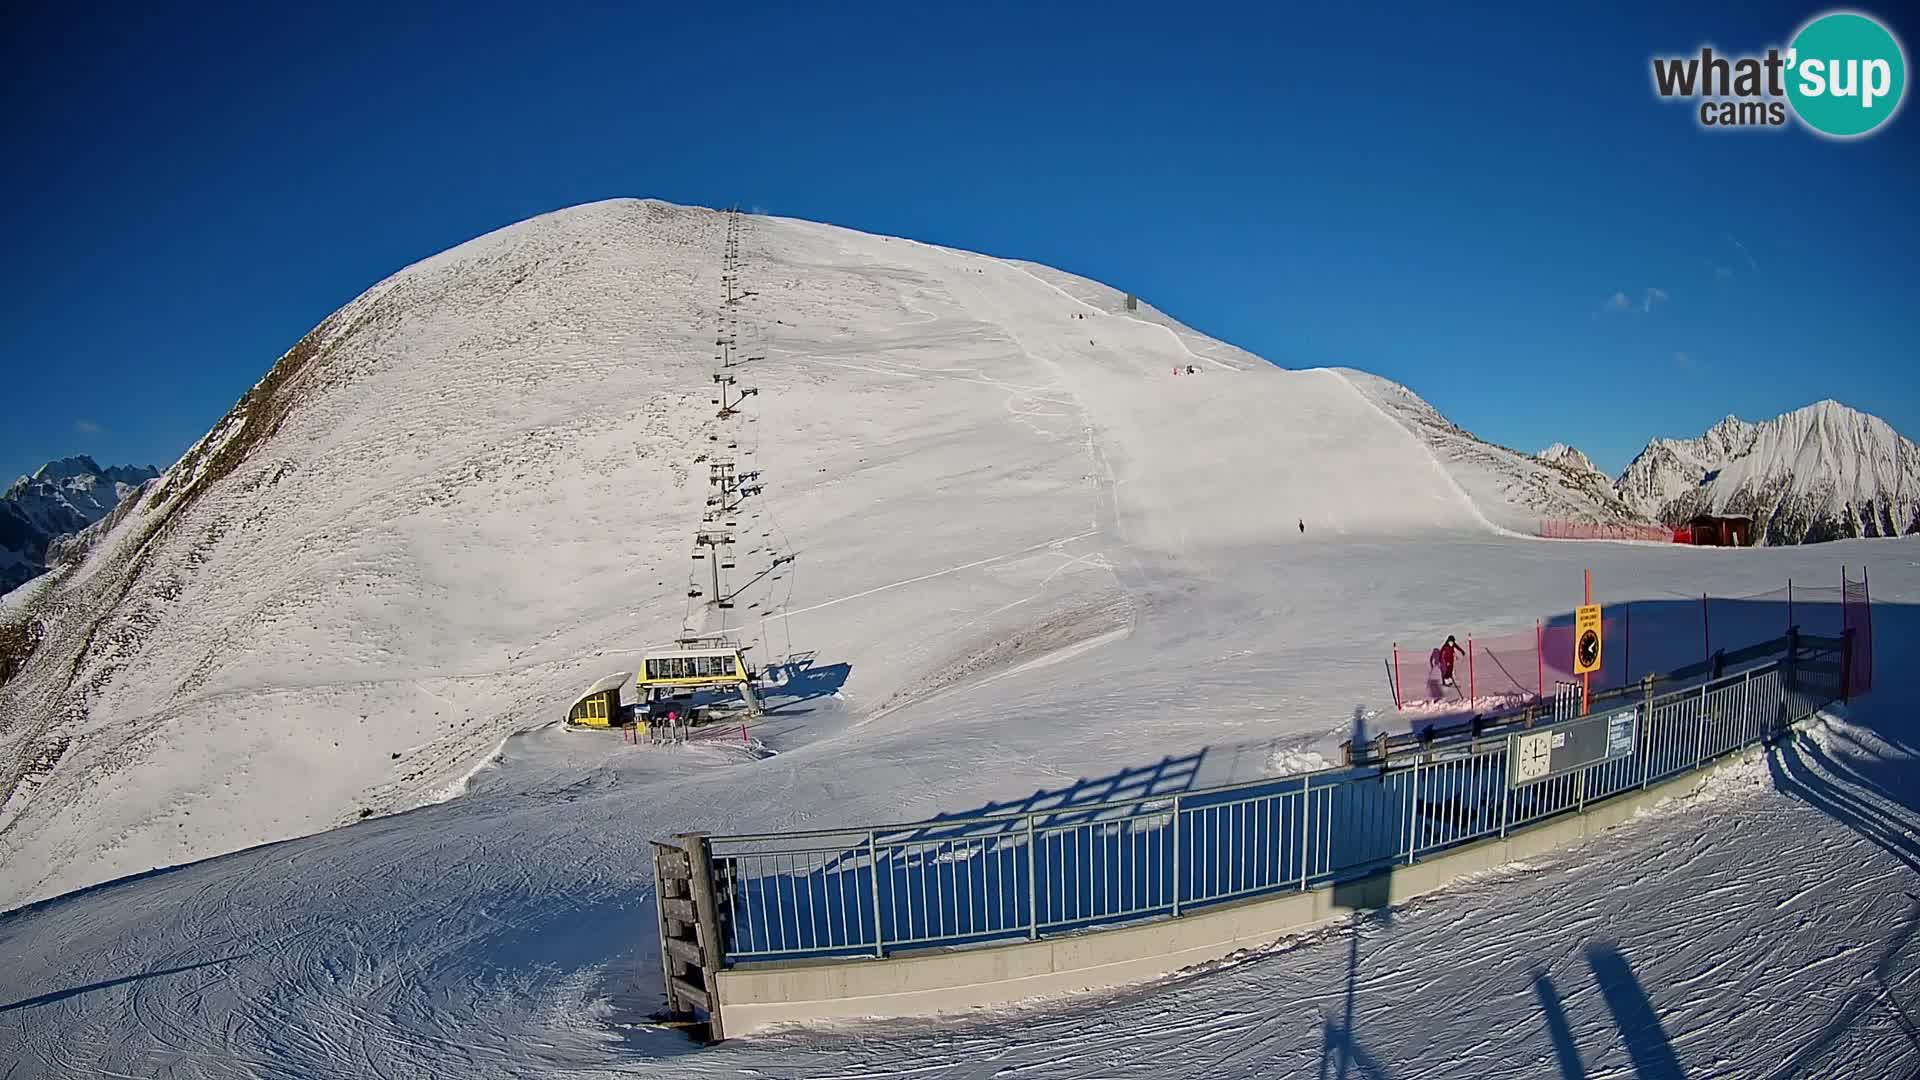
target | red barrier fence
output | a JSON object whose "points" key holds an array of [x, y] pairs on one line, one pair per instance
{"points": [[1642, 637], [1593, 530]]}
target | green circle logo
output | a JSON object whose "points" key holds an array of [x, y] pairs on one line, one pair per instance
{"points": [[1846, 74]]}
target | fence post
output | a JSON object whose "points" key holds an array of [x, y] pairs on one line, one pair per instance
{"points": [[1398, 697], [1506, 795], [1033, 884], [1412, 804], [1581, 793], [879, 932], [1306, 811], [1790, 603], [1700, 730], [1176, 856], [1646, 729], [707, 910], [1746, 707], [1866, 608], [1789, 680]]}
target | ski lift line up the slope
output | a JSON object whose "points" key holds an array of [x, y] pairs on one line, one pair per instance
{"points": [[703, 660]]}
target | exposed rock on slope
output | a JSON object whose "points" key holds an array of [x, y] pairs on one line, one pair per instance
{"points": [[1514, 491]]}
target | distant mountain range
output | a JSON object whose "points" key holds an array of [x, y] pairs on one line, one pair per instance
{"points": [[61, 499], [1822, 472]]}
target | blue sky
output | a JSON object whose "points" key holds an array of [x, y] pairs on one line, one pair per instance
{"points": [[1450, 202]]}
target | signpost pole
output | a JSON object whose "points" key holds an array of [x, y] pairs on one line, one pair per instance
{"points": [[1586, 677]]}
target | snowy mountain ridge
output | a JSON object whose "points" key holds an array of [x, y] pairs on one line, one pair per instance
{"points": [[1569, 458], [1513, 491], [61, 499], [1820, 472], [357, 550]]}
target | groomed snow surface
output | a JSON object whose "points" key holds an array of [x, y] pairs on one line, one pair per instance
{"points": [[1030, 559]]}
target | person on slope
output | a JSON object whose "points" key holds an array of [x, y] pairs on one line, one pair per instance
{"points": [[1442, 658]]}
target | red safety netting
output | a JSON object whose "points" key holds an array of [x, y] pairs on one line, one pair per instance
{"points": [[1592, 530], [1639, 638]]}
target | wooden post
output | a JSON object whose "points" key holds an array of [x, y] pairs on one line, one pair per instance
{"points": [[660, 899], [700, 862]]}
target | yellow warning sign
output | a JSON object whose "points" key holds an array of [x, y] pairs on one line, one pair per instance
{"points": [[1586, 639]]}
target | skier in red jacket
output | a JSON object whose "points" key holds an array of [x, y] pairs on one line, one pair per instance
{"points": [[1443, 659]]}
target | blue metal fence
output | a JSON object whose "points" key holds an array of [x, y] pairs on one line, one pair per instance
{"points": [[1027, 875]]}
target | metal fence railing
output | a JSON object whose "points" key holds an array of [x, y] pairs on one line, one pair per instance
{"points": [[995, 877]]}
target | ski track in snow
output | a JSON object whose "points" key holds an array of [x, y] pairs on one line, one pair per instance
{"points": [[1022, 570]]}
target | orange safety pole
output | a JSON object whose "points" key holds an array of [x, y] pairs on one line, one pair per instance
{"points": [[1471, 693], [1586, 678], [1539, 663]]}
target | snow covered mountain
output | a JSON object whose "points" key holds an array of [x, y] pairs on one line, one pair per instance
{"points": [[1003, 557], [1568, 458], [60, 499], [1822, 472], [472, 490]]}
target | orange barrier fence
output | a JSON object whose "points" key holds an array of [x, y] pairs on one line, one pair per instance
{"points": [[1641, 637]]}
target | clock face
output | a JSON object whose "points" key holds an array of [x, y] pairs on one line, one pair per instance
{"points": [[1589, 648], [1534, 756]]}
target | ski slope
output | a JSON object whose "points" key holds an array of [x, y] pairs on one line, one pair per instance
{"points": [[473, 490], [1029, 562], [1765, 926]]}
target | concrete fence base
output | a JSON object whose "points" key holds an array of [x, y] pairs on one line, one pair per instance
{"points": [[936, 981]]}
